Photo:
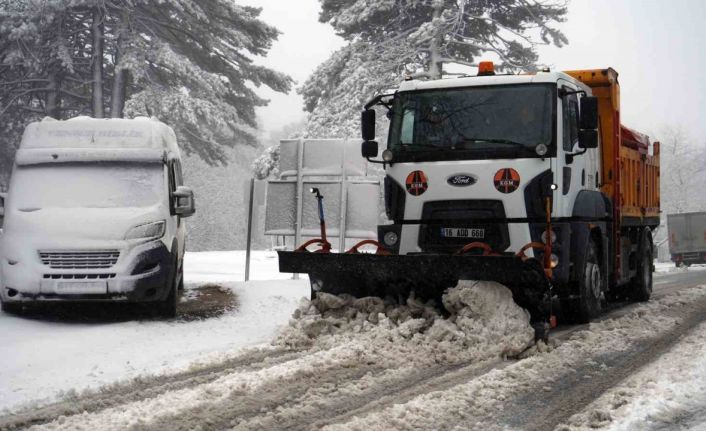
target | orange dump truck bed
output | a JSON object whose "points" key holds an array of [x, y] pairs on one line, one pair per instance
{"points": [[630, 174]]}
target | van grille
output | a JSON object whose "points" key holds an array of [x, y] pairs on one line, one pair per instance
{"points": [[80, 259], [79, 276]]}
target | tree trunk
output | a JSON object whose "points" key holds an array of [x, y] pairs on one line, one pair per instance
{"points": [[98, 31], [435, 65], [119, 89], [117, 99], [52, 100]]}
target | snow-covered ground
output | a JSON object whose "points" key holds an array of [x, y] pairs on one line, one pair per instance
{"points": [[665, 267], [669, 393], [40, 359], [358, 364]]}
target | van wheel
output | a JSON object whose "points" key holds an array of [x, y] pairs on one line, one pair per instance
{"points": [[12, 307], [590, 287], [168, 307], [640, 288]]}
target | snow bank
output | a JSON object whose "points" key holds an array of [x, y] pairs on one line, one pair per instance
{"points": [[484, 322]]}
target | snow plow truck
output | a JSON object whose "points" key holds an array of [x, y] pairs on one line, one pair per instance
{"points": [[528, 180]]}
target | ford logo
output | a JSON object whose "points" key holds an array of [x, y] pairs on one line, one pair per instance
{"points": [[461, 180]]}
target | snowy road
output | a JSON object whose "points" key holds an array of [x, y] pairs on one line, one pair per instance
{"points": [[639, 366]]}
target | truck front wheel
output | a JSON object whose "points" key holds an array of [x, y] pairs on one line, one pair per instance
{"points": [[590, 286]]}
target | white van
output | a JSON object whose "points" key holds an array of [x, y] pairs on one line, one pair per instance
{"points": [[94, 213]]}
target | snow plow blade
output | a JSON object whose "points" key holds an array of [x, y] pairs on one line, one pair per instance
{"points": [[427, 275]]}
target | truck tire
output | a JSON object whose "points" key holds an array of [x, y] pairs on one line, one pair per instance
{"points": [[590, 286], [167, 308], [640, 288]]}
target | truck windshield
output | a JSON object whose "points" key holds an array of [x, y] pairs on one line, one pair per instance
{"points": [[506, 121], [82, 185]]}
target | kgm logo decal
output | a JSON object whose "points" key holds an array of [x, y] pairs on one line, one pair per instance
{"points": [[416, 183], [506, 180]]}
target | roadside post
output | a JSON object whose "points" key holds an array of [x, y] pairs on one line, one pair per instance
{"points": [[249, 238]]}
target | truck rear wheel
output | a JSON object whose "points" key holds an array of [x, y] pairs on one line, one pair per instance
{"points": [[640, 288], [590, 287]]}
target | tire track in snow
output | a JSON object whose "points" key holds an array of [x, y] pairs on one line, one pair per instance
{"points": [[145, 387], [242, 406], [401, 390], [542, 410]]}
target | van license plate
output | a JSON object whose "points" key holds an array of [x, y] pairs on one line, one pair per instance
{"points": [[462, 232], [82, 287]]}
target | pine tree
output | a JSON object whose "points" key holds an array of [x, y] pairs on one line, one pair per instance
{"points": [[391, 39], [189, 63]]}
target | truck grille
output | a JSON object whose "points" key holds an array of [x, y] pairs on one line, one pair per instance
{"points": [[80, 259], [463, 214]]}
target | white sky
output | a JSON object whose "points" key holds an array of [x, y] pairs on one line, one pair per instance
{"points": [[657, 46]]}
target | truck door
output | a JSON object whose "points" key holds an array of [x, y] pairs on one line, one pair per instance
{"points": [[697, 231], [580, 174]]}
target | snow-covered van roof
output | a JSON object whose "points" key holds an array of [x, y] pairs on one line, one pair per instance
{"points": [[87, 139]]}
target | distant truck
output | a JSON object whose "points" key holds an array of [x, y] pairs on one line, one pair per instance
{"points": [[687, 238], [94, 213]]}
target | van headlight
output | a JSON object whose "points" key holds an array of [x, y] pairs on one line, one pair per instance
{"points": [[147, 231]]}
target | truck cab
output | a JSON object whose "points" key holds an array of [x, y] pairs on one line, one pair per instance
{"points": [[486, 147], [95, 212]]}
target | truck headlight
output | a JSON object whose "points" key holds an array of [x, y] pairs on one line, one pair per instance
{"points": [[147, 231]]}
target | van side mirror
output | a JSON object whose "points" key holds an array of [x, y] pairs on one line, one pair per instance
{"points": [[588, 139], [369, 149], [184, 204], [589, 113], [367, 125]]}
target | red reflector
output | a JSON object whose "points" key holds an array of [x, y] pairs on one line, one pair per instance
{"points": [[486, 68]]}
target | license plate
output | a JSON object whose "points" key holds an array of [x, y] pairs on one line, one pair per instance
{"points": [[82, 287], [462, 232]]}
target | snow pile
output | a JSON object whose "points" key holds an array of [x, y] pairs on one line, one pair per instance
{"points": [[484, 322]]}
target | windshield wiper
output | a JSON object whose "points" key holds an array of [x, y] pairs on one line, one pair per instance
{"points": [[496, 141], [436, 147]]}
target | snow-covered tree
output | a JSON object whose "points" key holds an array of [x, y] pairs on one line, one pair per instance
{"points": [[267, 164], [682, 172], [395, 38], [190, 63]]}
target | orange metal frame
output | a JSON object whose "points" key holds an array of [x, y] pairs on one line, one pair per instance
{"points": [[630, 175]]}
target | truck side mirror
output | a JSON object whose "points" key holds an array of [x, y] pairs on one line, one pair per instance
{"points": [[589, 113], [367, 123], [369, 149], [588, 139], [184, 204]]}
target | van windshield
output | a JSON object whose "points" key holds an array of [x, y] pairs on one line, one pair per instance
{"points": [[81, 185]]}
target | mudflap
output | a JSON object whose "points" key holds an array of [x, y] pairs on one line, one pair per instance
{"points": [[427, 275]]}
